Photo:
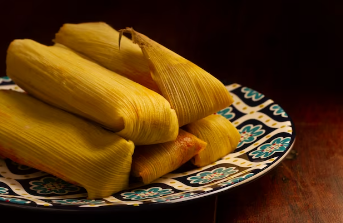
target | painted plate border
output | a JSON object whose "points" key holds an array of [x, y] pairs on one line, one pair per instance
{"points": [[252, 100]]}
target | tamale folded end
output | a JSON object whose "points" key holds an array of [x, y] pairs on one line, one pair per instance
{"points": [[222, 138], [191, 91], [153, 161]]}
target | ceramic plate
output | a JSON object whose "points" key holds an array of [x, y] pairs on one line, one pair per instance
{"points": [[267, 135]]}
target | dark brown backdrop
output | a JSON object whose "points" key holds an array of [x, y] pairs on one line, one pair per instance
{"points": [[256, 43]]}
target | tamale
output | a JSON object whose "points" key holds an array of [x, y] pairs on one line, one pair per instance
{"points": [[60, 77], [150, 162], [99, 42], [219, 134], [191, 91], [46, 138]]}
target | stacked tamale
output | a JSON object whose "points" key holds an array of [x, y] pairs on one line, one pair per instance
{"points": [[99, 107]]}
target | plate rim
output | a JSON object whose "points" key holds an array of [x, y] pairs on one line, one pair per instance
{"points": [[157, 205], [124, 208]]}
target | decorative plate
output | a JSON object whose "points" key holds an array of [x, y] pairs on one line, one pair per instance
{"points": [[267, 135]]}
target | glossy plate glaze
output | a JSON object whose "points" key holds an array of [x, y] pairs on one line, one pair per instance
{"points": [[267, 135]]}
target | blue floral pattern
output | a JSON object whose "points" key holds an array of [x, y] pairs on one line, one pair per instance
{"points": [[249, 133], [173, 197], [78, 202], [278, 111], [254, 95], [236, 180], [53, 185], [14, 200], [227, 113], [141, 194], [5, 79], [3, 190], [277, 145], [209, 176]]}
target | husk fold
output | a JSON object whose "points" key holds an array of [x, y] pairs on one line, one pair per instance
{"points": [[153, 161], [46, 138], [191, 91], [60, 77], [219, 134], [99, 42]]}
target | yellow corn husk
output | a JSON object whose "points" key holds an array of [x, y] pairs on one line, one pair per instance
{"points": [[60, 77], [191, 91], [46, 138], [219, 133], [99, 42], [153, 161]]}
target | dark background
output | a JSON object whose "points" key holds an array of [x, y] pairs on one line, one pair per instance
{"points": [[290, 50], [283, 44]]}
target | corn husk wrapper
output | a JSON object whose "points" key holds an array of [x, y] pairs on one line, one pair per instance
{"points": [[60, 77], [191, 91], [219, 133], [153, 161], [99, 42], [46, 138]]}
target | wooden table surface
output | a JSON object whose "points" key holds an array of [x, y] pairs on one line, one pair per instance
{"points": [[306, 187]]}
